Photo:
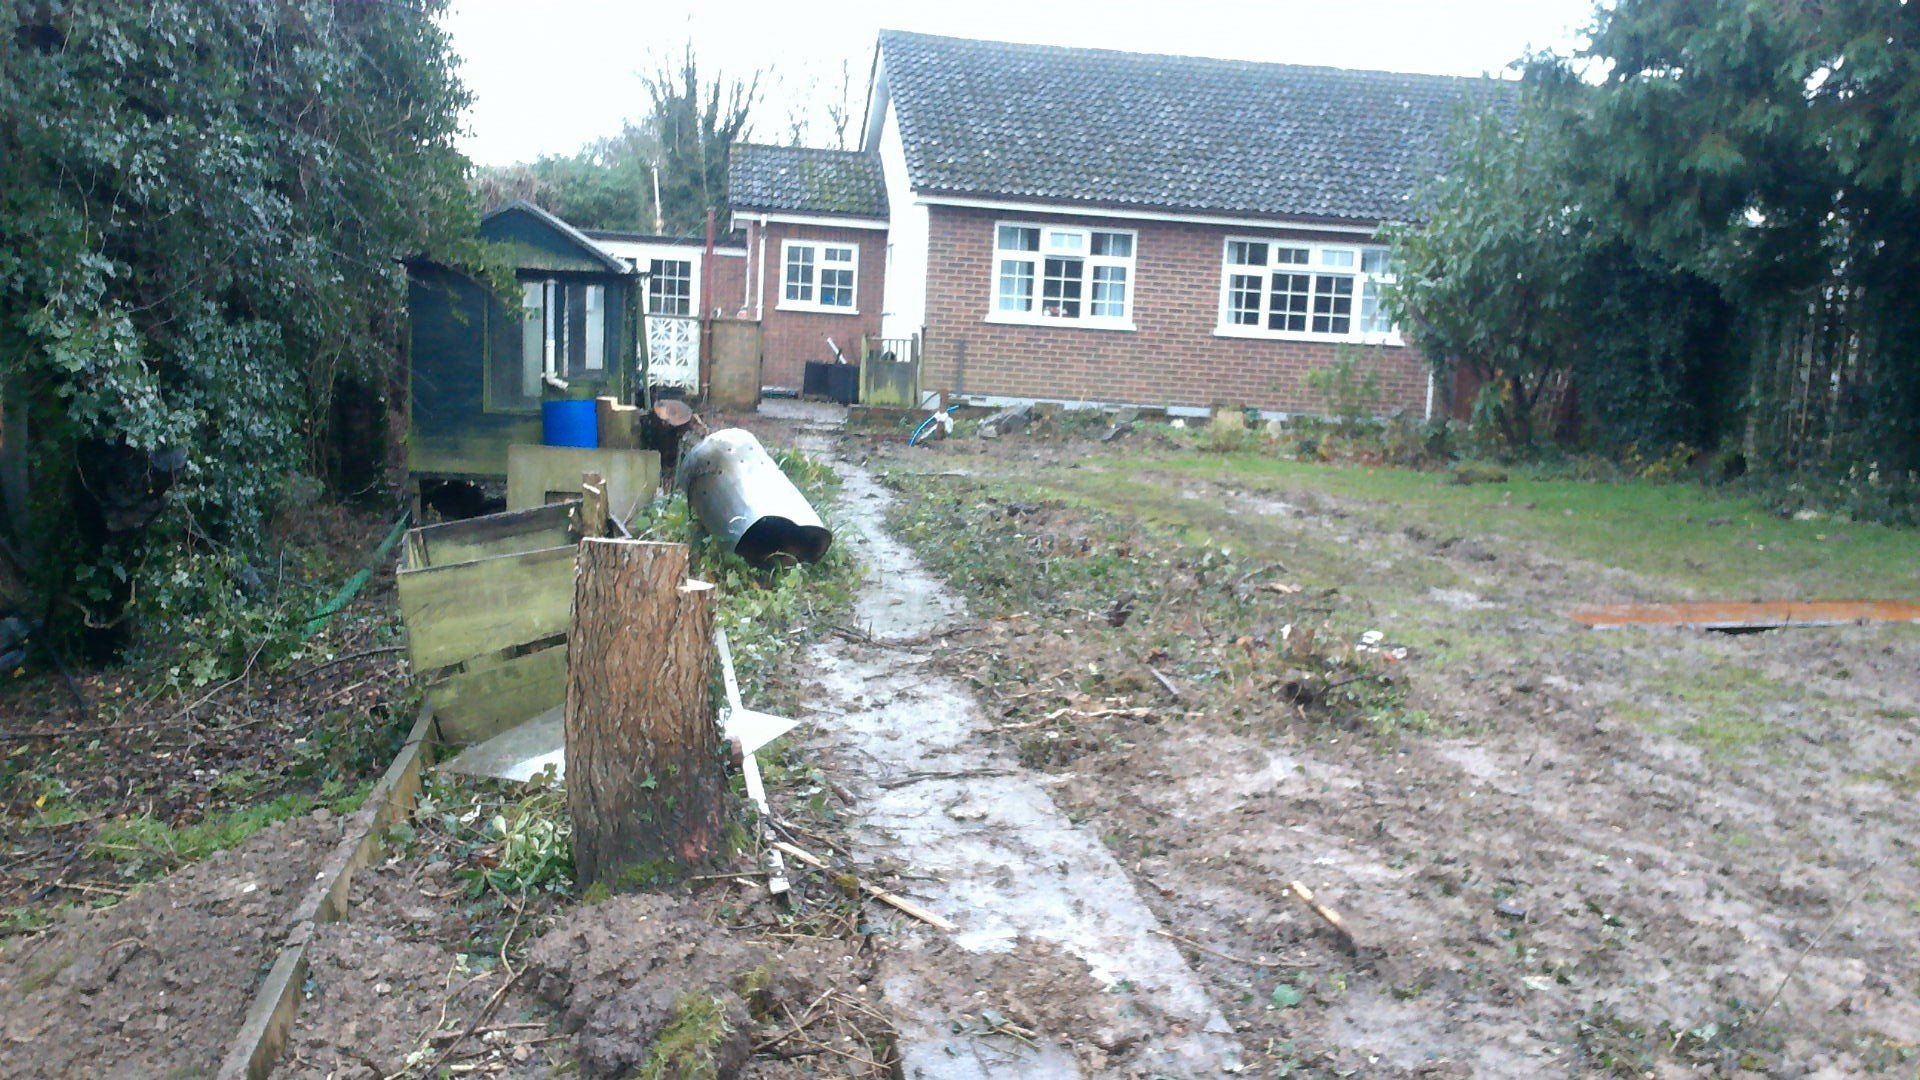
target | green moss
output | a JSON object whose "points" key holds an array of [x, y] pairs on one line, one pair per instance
{"points": [[688, 1047]]}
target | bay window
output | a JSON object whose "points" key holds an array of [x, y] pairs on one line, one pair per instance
{"points": [[1063, 274], [818, 276], [1282, 288]]}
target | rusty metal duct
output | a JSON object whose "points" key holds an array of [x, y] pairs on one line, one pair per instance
{"points": [[739, 495]]}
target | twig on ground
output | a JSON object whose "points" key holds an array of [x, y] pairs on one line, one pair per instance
{"points": [[1165, 682], [898, 903], [1190, 943], [1817, 939], [1327, 915]]}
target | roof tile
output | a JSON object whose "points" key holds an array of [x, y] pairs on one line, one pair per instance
{"points": [[804, 180], [1186, 134]]}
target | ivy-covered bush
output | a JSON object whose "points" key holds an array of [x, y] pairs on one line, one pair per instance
{"points": [[202, 211]]}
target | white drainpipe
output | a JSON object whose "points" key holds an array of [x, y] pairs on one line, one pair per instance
{"points": [[760, 273]]}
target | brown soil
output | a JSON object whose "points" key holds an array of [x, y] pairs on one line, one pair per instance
{"points": [[1578, 872], [157, 985], [413, 979]]}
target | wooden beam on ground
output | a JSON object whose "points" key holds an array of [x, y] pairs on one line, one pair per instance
{"points": [[644, 779], [1760, 615]]}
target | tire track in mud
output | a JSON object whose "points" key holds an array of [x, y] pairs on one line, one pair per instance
{"points": [[1000, 858]]}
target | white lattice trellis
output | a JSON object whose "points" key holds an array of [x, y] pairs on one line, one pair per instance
{"points": [[673, 352]]}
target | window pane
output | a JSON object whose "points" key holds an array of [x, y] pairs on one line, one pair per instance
{"points": [[1373, 313], [1374, 260], [1247, 253], [670, 287], [1287, 256], [799, 273], [574, 303], [1109, 292], [1117, 244], [1068, 241], [1018, 238], [1332, 304], [837, 255], [1060, 288], [1289, 309], [836, 288], [1016, 286], [596, 333], [1339, 258], [533, 337], [1243, 300]]}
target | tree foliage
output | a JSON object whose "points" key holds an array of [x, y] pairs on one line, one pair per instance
{"points": [[683, 141], [607, 185], [202, 211], [1723, 220], [696, 125]]}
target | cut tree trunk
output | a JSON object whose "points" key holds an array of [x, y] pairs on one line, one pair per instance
{"points": [[645, 785]]}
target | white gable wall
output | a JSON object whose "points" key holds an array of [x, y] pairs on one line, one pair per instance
{"points": [[906, 297]]}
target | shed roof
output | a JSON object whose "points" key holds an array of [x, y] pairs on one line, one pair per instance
{"points": [[806, 180], [1171, 133]]}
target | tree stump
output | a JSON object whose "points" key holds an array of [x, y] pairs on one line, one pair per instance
{"points": [[645, 786]]}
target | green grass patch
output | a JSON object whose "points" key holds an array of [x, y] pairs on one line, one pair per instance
{"points": [[149, 847], [1691, 537]]}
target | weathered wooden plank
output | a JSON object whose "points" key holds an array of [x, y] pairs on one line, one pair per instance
{"points": [[633, 476], [470, 609], [263, 1032], [1759, 615], [493, 534], [474, 706]]}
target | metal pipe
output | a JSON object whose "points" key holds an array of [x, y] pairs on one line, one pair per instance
{"points": [[739, 495]]}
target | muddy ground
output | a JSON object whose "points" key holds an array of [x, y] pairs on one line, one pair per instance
{"points": [[1561, 851], [157, 985], [1101, 707]]}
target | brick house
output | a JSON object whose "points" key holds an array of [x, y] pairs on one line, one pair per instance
{"points": [[816, 252], [1088, 226]]}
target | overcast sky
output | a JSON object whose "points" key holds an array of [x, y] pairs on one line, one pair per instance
{"points": [[550, 76]]}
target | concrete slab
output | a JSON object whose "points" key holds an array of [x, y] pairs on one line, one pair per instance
{"points": [[519, 753]]}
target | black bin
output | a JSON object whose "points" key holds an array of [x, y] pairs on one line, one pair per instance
{"points": [[835, 382]]}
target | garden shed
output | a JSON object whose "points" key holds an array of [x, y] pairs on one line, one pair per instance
{"points": [[480, 367]]}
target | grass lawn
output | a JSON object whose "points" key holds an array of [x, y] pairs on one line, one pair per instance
{"points": [[1703, 542]]}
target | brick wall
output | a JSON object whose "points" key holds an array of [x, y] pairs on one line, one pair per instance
{"points": [[788, 339], [727, 283], [1171, 358]]}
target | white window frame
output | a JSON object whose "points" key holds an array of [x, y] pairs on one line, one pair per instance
{"points": [[1320, 256], [1036, 262], [812, 302]]}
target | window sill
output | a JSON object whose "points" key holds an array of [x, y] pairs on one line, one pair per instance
{"points": [[1257, 334], [1110, 325], [815, 309]]}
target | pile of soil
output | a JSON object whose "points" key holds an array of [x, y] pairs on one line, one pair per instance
{"points": [[414, 979], [653, 974], [158, 984]]}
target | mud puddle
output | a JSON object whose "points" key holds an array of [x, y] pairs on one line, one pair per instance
{"points": [[988, 847]]}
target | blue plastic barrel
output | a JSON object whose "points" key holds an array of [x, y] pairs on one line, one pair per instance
{"points": [[569, 423]]}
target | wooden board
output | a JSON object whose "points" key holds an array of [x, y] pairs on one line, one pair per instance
{"points": [[455, 613], [474, 706], [1760, 615], [633, 476], [492, 534]]}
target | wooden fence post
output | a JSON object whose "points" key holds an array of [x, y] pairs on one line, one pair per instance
{"points": [[645, 785]]}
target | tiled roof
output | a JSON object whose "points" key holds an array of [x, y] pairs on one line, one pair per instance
{"points": [[1186, 134], [803, 180]]}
